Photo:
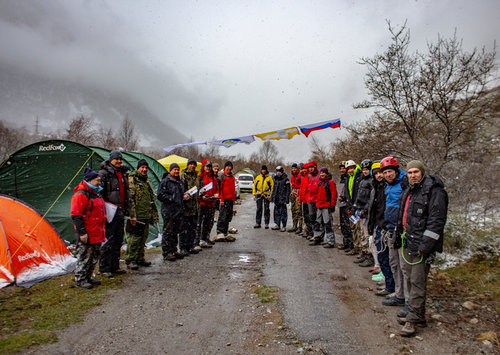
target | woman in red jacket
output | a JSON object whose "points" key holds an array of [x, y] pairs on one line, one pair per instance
{"points": [[325, 206], [302, 198], [89, 217]]}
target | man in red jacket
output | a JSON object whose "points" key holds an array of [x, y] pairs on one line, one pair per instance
{"points": [[209, 193], [227, 198], [302, 198], [325, 204], [312, 195], [294, 199]]}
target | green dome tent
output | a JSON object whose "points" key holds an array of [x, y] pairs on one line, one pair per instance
{"points": [[44, 174]]}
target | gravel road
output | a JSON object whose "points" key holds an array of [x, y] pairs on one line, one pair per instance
{"points": [[206, 304]]}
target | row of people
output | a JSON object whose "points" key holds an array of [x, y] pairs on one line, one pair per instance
{"points": [[188, 204]]}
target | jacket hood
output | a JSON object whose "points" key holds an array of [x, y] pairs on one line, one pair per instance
{"points": [[83, 186], [280, 177]]}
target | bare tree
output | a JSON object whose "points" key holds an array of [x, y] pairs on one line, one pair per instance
{"points": [[127, 137], [268, 154], [11, 139], [81, 130], [435, 96], [106, 138]]}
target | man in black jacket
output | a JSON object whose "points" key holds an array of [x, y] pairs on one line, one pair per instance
{"points": [[422, 217], [280, 198], [114, 180], [348, 242], [171, 193]]}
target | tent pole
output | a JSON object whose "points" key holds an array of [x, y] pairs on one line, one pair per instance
{"points": [[8, 250]]}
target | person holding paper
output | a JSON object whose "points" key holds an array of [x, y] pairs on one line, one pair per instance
{"points": [[143, 212], [191, 181], [89, 218], [114, 180], [227, 198], [209, 193], [171, 193]]}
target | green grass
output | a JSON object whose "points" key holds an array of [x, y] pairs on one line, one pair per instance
{"points": [[30, 317], [264, 292]]}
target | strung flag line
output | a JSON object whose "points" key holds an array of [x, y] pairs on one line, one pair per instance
{"points": [[287, 133]]}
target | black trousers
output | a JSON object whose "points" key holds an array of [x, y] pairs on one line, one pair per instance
{"points": [[262, 202], [225, 216], [205, 224], [280, 214], [188, 234], [345, 227], [170, 237], [110, 249], [311, 217]]}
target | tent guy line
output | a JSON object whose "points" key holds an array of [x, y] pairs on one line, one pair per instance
{"points": [[286, 133]]}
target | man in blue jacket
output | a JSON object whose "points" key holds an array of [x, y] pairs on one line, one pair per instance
{"points": [[395, 181], [421, 221]]}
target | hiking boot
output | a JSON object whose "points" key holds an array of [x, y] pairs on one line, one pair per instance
{"points": [[133, 266], [421, 323], [378, 277], [184, 252], [257, 226], [170, 257], [94, 281], [83, 284], [408, 330], [367, 262], [315, 241], [220, 238], [230, 238], [352, 252], [275, 227], [197, 248], [394, 301], [329, 246], [298, 231], [193, 251], [341, 247], [107, 274], [359, 259], [383, 292], [179, 255], [205, 244], [144, 263], [403, 312], [119, 272], [266, 226], [233, 230], [291, 230], [283, 229], [375, 270]]}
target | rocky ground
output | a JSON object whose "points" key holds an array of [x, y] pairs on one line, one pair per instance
{"points": [[267, 293]]}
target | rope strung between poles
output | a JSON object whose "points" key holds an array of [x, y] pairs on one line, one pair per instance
{"points": [[52, 205], [403, 236]]}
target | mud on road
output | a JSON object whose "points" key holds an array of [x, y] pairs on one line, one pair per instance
{"points": [[267, 293]]}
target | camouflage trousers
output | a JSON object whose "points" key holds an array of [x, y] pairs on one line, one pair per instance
{"points": [[356, 235], [87, 256], [296, 212], [364, 236], [135, 246]]}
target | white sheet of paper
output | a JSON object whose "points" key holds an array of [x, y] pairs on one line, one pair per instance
{"points": [[110, 211], [207, 187], [192, 191]]}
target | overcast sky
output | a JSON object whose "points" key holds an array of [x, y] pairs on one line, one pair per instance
{"points": [[230, 68]]}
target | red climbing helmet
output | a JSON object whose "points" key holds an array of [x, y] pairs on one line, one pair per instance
{"points": [[389, 163]]}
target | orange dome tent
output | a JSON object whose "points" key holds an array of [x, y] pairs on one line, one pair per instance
{"points": [[30, 249]]}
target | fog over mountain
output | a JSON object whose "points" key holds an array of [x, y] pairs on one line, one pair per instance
{"points": [[59, 60]]}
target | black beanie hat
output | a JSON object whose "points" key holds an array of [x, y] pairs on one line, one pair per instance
{"points": [[228, 163], [142, 162], [173, 166], [264, 167], [89, 174], [294, 165], [115, 154], [192, 161]]}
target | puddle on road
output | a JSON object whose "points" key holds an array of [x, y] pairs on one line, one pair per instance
{"points": [[245, 258]]}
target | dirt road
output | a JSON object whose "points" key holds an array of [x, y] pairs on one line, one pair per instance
{"points": [[214, 303]]}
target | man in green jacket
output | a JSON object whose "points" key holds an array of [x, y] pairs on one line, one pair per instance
{"points": [[143, 212]]}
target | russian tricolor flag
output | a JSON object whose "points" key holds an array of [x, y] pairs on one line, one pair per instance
{"points": [[307, 129]]}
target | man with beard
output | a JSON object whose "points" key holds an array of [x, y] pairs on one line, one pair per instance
{"points": [[262, 190]]}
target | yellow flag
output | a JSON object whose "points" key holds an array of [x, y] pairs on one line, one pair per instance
{"points": [[287, 133]]}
